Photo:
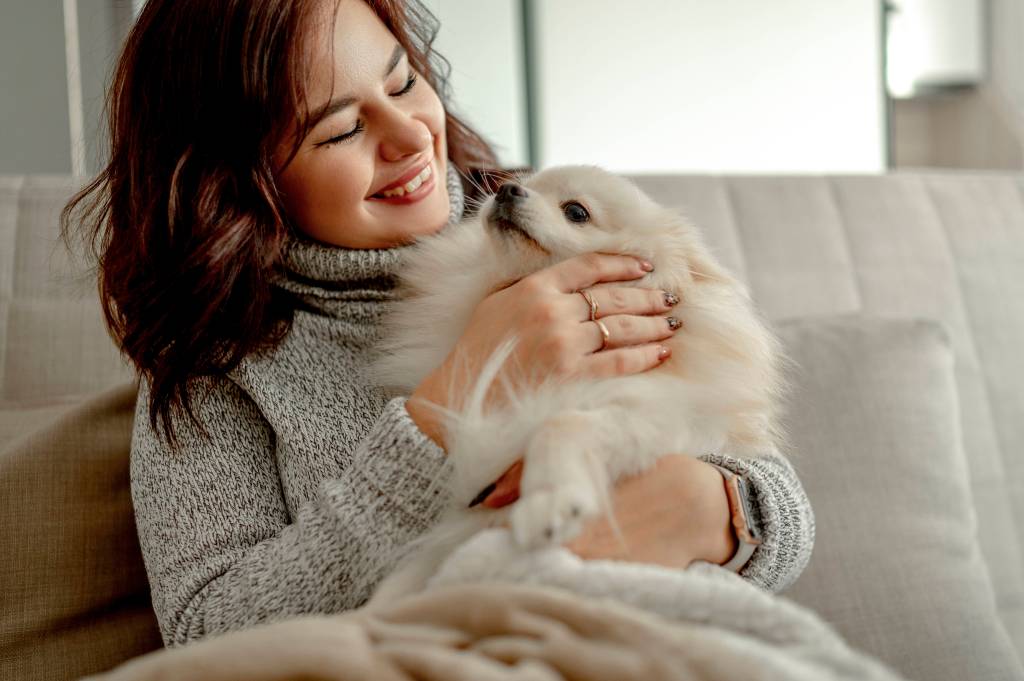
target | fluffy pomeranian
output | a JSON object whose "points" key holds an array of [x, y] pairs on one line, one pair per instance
{"points": [[720, 390]]}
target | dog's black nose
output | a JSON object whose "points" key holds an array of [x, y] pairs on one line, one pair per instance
{"points": [[509, 192]]}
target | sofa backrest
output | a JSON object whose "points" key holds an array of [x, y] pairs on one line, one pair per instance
{"points": [[53, 344]]}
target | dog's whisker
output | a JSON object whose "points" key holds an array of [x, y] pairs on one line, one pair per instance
{"points": [[467, 178], [473, 206], [473, 182]]}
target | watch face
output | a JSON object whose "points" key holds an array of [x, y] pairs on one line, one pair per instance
{"points": [[750, 508]]}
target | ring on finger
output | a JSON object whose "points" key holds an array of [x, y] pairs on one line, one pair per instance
{"points": [[604, 334], [591, 302]]}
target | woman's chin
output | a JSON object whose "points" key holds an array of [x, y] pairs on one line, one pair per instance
{"points": [[403, 236], [415, 220]]}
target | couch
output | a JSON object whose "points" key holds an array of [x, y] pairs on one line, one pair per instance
{"points": [[900, 298]]}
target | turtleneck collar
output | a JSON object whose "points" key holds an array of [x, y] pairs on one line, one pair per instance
{"points": [[343, 282]]}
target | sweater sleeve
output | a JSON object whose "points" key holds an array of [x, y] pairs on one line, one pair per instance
{"points": [[222, 551], [786, 517]]}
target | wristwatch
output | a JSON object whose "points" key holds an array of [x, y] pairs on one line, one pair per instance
{"points": [[746, 518]]}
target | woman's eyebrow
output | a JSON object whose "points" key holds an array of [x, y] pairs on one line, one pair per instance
{"points": [[339, 103]]}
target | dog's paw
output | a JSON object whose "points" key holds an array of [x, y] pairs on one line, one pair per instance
{"points": [[552, 515]]}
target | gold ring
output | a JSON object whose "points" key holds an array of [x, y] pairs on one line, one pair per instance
{"points": [[604, 334], [591, 302]]}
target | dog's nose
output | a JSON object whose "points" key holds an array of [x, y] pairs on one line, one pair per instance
{"points": [[509, 192]]}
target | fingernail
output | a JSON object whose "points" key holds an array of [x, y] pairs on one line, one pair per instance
{"points": [[671, 298], [479, 498], [664, 352], [673, 323], [646, 266]]}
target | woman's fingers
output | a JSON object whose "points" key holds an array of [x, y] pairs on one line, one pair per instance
{"points": [[590, 268], [506, 489], [626, 330], [617, 300], [625, 361]]}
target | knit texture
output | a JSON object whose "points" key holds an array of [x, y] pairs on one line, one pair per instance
{"points": [[311, 476]]}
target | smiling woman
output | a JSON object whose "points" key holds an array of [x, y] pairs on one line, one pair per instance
{"points": [[270, 162], [224, 143], [379, 127]]}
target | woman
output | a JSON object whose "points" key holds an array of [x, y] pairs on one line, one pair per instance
{"points": [[249, 230]]}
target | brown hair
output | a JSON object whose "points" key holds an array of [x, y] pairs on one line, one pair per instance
{"points": [[185, 221]]}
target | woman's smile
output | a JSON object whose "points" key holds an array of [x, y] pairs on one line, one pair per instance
{"points": [[416, 189]]}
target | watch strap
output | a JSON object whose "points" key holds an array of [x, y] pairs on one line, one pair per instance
{"points": [[747, 538], [743, 553]]}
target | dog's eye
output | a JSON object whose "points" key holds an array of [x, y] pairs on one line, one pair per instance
{"points": [[575, 212]]}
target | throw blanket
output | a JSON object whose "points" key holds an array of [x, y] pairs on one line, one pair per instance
{"points": [[495, 614]]}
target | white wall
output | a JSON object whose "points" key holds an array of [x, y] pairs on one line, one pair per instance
{"points": [[648, 85], [729, 85], [36, 118], [102, 26], [482, 40], [34, 132], [1006, 21]]}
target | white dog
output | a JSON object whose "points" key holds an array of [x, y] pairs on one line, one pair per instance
{"points": [[719, 391]]}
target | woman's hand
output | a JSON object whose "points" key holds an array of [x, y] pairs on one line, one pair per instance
{"points": [[556, 336], [673, 514]]}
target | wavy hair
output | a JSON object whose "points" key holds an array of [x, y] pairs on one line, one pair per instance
{"points": [[185, 221]]}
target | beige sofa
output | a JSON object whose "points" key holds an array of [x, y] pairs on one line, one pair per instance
{"points": [[901, 295]]}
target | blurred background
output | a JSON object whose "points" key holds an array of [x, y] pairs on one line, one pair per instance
{"points": [[787, 86]]}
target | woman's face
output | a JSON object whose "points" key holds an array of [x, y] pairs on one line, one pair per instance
{"points": [[383, 128]]}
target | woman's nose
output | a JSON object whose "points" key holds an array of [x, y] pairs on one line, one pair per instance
{"points": [[404, 135]]}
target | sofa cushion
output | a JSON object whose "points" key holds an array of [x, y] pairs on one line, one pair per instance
{"points": [[18, 419], [875, 434], [76, 599], [58, 349]]}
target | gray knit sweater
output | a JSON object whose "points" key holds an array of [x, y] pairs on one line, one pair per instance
{"points": [[311, 476]]}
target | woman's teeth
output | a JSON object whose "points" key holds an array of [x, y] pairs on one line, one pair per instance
{"points": [[410, 186]]}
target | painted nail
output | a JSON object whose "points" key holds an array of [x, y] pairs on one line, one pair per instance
{"points": [[673, 322], [664, 352], [479, 499], [671, 298], [646, 266]]}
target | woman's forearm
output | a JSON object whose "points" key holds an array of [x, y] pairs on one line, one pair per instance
{"points": [[672, 514], [423, 407], [678, 512]]}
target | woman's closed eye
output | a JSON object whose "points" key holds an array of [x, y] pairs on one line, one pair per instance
{"points": [[409, 84]]}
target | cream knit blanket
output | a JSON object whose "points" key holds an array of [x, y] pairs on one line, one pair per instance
{"points": [[565, 619]]}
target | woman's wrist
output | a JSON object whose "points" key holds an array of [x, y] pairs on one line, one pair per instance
{"points": [[721, 537], [420, 409], [421, 417], [672, 514]]}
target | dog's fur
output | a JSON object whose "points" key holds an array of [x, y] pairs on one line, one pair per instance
{"points": [[719, 391]]}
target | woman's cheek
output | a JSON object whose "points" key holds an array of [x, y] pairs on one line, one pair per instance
{"points": [[434, 113]]}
